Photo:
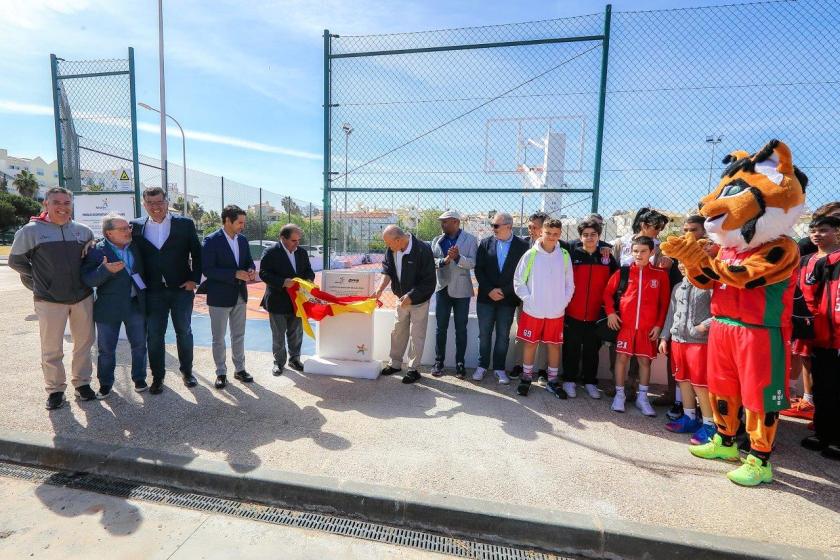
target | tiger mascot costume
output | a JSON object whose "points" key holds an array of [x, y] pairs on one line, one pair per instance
{"points": [[759, 199]]}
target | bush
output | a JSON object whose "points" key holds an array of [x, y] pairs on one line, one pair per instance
{"points": [[23, 208]]}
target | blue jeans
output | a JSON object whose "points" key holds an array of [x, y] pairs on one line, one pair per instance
{"points": [[492, 317], [160, 304], [460, 307], [107, 335]]}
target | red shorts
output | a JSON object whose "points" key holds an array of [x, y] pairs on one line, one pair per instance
{"points": [[636, 343], [753, 362], [531, 329], [689, 362], [801, 348]]}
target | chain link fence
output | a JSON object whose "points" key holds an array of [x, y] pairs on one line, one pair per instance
{"points": [[96, 131], [508, 117]]}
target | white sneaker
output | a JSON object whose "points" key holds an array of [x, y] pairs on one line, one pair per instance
{"points": [[502, 377], [592, 391], [618, 403], [570, 389], [478, 375], [643, 404]]}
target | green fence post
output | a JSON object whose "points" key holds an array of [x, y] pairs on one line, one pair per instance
{"points": [[134, 150], [327, 214], [59, 158], [602, 99]]}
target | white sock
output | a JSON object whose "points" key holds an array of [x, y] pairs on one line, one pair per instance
{"points": [[690, 412], [552, 374], [709, 421], [678, 395], [619, 391], [808, 397], [528, 371], [643, 391]]}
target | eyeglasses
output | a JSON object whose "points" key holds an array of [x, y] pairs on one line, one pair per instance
{"points": [[497, 226]]}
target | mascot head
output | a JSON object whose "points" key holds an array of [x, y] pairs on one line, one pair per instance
{"points": [[759, 198]]}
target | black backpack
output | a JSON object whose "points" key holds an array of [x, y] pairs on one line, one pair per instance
{"points": [[602, 329]]}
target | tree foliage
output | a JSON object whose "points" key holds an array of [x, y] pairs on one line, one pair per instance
{"points": [[26, 184], [22, 208]]}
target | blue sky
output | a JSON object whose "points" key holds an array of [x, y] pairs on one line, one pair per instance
{"points": [[244, 78]]}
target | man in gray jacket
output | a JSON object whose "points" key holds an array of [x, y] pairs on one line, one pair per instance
{"points": [[47, 253], [454, 252]]}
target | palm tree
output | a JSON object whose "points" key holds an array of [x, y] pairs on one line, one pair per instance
{"points": [[26, 184]]}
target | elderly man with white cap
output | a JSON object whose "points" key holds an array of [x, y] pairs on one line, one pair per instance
{"points": [[454, 252]]}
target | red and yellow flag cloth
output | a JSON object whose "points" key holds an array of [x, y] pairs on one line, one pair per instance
{"points": [[310, 302]]}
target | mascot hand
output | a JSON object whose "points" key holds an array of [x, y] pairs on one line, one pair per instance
{"points": [[685, 249]]}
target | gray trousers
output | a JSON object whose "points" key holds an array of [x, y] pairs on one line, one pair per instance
{"points": [[286, 330], [219, 319], [409, 330]]}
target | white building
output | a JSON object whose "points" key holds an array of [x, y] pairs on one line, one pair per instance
{"points": [[45, 173]]}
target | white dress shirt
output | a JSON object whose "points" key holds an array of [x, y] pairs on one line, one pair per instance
{"points": [[234, 245], [291, 256], [398, 258], [158, 233]]}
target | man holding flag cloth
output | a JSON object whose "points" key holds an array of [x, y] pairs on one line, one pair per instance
{"points": [[279, 266]]}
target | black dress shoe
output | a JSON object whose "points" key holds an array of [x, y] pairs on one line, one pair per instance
{"points": [[390, 370], [295, 364], [813, 443], [221, 381], [411, 376], [243, 376], [832, 452], [156, 388], [189, 380], [56, 400], [276, 370]]}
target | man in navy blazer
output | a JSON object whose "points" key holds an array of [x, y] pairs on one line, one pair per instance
{"points": [[114, 267], [171, 255], [495, 263], [227, 264], [279, 265]]}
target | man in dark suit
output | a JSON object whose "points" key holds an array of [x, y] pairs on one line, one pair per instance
{"points": [[226, 262], [279, 264], [114, 267], [495, 263], [171, 255], [409, 267]]}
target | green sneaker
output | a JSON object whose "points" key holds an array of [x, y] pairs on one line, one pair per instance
{"points": [[751, 473], [715, 449]]}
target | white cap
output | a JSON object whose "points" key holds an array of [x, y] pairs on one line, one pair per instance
{"points": [[450, 214]]}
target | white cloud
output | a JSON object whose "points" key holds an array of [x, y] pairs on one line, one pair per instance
{"points": [[198, 136], [24, 108]]}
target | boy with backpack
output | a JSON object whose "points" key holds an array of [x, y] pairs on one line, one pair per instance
{"points": [[819, 281], [639, 320], [544, 281]]}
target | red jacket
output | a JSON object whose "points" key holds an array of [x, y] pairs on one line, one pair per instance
{"points": [[591, 276], [821, 287], [646, 299]]}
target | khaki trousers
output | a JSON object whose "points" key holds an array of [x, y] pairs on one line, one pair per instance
{"points": [[409, 330], [52, 320]]}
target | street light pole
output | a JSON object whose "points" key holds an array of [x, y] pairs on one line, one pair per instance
{"points": [[164, 173], [714, 141], [183, 150], [347, 131]]}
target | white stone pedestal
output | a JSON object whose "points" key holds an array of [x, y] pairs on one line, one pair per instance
{"points": [[344, 343]]}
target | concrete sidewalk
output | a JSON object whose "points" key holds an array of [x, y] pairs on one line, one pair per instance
{"points": [[443, 436]]}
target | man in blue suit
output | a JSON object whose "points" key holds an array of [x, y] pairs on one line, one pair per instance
{"points": [[171, 254], [114, 267], [227, 264]]}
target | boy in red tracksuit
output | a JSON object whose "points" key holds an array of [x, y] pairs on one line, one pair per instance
{"points": [[639, 320], [819, 281], [592, 270]]}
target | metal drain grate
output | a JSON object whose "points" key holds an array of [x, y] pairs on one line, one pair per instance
{"points": [[269, 514]]}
